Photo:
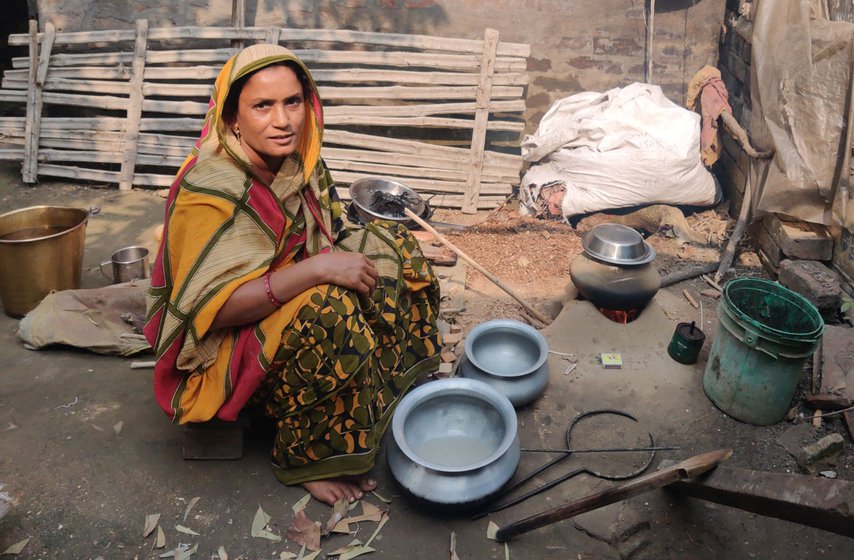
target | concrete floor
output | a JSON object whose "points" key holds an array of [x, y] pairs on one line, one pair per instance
{"points": [[84, 490]]}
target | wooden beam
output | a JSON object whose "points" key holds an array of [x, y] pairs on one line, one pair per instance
{"points": [[290, 35], [394, 59], [134, 106], [238, 19], [272, 36], [35, 100], [481, 118]]}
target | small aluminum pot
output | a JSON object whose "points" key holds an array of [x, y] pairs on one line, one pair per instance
{"points": [[510, 356], [454, 443]]}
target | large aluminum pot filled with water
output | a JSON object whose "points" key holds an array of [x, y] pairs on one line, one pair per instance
{"points": [[41, 250], [454, 442]]}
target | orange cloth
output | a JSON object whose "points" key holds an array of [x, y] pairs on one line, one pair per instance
{"points": [[707, 87]]}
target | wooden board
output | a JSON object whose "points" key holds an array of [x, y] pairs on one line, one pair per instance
{"points": [[397, 106]]}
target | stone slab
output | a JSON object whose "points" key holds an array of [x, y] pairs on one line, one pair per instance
{"points": [[800, 239], [815, 281], [837, 361]]}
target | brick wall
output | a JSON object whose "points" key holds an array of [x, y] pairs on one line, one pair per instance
{"points": [[733, 165]]}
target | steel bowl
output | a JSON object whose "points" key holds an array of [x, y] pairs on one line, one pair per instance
{"points": [[454, 442], [364, 194], [617, 244]]}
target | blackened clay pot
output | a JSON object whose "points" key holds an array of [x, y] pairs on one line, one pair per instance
{"points": [[614, 287]]}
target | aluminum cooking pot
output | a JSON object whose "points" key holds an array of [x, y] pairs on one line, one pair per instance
{"points": [[454, 442], [510, 356]]}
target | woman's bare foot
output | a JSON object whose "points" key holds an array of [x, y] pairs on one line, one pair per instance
{"points": [[331, 490]]}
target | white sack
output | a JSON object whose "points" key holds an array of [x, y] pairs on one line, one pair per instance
{"points": [[626, 147]]}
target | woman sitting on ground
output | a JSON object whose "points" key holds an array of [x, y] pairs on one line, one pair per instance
{"points": [[260, 295]]}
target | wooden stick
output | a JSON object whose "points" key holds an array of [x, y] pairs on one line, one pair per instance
{"points": [[142, 365], [650, 34], [478, 139], [134, 112], [712, 283], [691, 300], [444, 240], [689, 468], [740, 224]]}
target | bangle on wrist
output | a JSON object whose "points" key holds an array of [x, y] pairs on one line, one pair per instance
{"points": [[270, 295]]}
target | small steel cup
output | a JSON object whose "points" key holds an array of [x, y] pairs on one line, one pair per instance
{"points": [[130, 263]]}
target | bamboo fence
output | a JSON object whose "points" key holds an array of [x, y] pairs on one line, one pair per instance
{"points": [[125, 107]]}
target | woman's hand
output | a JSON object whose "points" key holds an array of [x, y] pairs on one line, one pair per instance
{"points": [[353, 271]]}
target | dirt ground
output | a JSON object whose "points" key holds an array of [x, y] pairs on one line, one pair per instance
{"points": [[87, 454]]}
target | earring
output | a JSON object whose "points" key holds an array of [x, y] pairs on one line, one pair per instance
{"points": [[237, 134]]}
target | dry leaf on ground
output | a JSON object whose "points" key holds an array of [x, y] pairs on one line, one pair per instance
{"points": [[160, 540], [301, 503], [186, 530], [491, 530], [339, 510], [151, 521], [304, 531], [190, 506], [259, 526], [17, 547], [454, 546]]}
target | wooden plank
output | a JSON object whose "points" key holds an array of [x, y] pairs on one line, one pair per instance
{"points": [[427, 162], [288, 35], [421, 122], [272, 35], [238, 19], [111, 123], [423, 110], [478, 140], [394, 59], [343, 75], [200, 108], [401, 170], [103, 176], [29, 157], [35, 100], [347, 138], [425, 185], [134, 106]]}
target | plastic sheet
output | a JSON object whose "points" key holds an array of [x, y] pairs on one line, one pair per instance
{"points": [[801, 72]]}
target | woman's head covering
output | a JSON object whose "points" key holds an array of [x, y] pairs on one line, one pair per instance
{"points": [[216, 132]]}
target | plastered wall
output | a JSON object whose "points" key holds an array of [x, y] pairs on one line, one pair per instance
{"points": [[577, 45]]}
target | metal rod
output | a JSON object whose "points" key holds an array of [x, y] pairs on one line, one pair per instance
{"points": [[604, 450]]}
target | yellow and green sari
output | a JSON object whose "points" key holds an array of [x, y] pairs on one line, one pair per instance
{"points": [[328, 366]]}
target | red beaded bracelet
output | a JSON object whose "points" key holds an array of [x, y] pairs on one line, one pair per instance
{"points": [[273, 299]]}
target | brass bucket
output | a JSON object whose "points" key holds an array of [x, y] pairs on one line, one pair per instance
{"points": [[41, 250]]}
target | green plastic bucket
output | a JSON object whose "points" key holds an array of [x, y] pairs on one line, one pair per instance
{"points": [[765, 334]]}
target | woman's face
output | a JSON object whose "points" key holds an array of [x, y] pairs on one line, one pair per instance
{"points": [[270, 116]]}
